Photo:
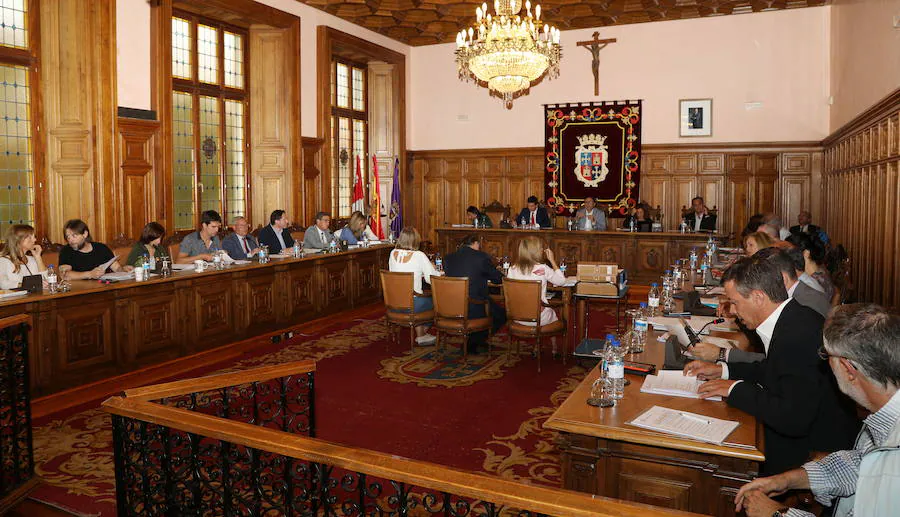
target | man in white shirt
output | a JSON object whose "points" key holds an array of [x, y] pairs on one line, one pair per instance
{"points": [[276, 236], [317, 236], [699, 219], [240, 245], [590, 217]]}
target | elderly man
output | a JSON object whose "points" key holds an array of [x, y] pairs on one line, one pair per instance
{"points": [[800, 408], [204, 243], [700, 220], [240, 245], [804, 224], [317, 236], [773, 221], [590, 217], [275, 235], [860, 343]]}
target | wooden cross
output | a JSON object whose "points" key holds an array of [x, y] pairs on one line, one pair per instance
{"points": [[594, 46]]}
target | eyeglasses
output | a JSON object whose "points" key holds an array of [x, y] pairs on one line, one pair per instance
{"points": [[825, 354]]}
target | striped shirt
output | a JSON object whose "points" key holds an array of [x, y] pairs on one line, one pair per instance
{"points": [[835, 475]]}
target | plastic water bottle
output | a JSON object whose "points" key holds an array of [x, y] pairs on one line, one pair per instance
{"points": [[640, 330], [475, 223], [563, 267], [668, 300], [667, 279], [52, 281], [693, 262], [604, 361], [570, 224], [653, 300], [505, 265], [631, 225], [704, 265], [438, 262], [333, 247], [146, 265], [296, 249], [615, 366]]}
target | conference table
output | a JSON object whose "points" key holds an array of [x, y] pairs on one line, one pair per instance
{"points": [[602, 454], [96, 331]]}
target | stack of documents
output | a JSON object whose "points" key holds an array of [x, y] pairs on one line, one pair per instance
{"points": [[7, 293], [673, 383], [688, 425]]}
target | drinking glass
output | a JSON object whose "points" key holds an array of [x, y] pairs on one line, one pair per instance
{"points": [[602, 393]]}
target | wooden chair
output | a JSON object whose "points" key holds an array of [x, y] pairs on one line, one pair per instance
{"points": [[451, 311], [121, 248], [497, 212], [397, 289], [523, 304]]}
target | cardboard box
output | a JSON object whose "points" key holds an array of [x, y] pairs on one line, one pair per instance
{"points": [[597, 272], [606, 285]]}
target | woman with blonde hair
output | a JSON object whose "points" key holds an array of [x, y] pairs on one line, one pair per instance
{"points": [[757, 241], [530, 265], [406, 258], [356, 228], [20, 257]]}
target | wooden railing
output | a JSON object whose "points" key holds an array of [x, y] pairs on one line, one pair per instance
{"points": [[16, 453], [180, 449]]}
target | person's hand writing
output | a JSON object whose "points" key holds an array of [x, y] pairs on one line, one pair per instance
{"points": [[716, 388], [756, 504], [704, 352], [703, 370], [772, 486]]}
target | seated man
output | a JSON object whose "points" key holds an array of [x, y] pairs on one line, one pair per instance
{"points": [[861, 343], [770, 219], [83, 258], [789, 391], [804, 224], [480, 220], [700, 220], [275, 235], [317, 236], [590, 217], [240, 245], [469, 261], [534, 214], [204, 243]]}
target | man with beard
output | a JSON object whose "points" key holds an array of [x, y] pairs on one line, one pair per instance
{"points": [[83, 257]]}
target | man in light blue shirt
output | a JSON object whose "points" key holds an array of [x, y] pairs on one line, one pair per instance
{"points": [[590, 217]]}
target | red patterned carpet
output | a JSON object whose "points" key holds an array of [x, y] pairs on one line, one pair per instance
{"points": [[482, 416]]}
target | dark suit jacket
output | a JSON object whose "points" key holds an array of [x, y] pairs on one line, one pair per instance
{"points": [[543, 219], [232, 246], [477, 266], [267, 237], [708, 224], [810, 229], [794, 394]]}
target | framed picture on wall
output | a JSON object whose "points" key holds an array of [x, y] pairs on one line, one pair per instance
{"points": [[696, 117]]}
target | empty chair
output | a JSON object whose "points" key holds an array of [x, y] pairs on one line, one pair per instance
{"points": [[451, 310], [397, 289], [523, 311]]}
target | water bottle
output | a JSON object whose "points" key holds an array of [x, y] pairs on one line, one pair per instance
{"points": [[667, 279], [631, 224], [263, 254], [438, 262], [667, 299], [146, 266], [570, 224], [640, 329], [475, 222], [705, 267], [693, 262], [615, 366], [683, 226], [522, 223], [333, 247], [653, 300], [563, 267], [52, 282], [604, 361], [217, 261], [505, 265], [296, 250]]}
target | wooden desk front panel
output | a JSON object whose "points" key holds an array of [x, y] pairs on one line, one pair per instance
{"points": [[97, 331]]}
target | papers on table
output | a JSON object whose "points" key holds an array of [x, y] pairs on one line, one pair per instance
{"points": [[182, 267], [6, 293], [715, 291], [104, 267], [462, 226], [240, 262], [696, 323], [674, 383], [118, 276], [570, 281], [687, 425]]}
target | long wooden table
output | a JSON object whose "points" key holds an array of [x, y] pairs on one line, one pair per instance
{"points": [[96, 331], [603, 455], [644, 255]]}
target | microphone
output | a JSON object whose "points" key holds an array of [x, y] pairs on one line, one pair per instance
{"points": [[694, 337]]}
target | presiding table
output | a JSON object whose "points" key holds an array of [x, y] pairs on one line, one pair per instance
{"points": [[645, 256], [96, 330], [603, 455]]}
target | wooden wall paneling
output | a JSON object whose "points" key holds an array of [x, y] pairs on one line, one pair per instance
{"points": [[712, 189], [313, 195], [684, 163], [711, 163], [657, 191], [684, 188], [137, 169], [272, 106], [739, 196]]}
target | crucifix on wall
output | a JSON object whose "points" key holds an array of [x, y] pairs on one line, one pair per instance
{"points": [[595, 46]]}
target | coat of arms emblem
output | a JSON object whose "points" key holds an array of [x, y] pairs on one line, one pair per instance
{"points": [[591, 157]]}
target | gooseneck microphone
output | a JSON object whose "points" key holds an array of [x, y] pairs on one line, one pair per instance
{"points": [[694, 337]]}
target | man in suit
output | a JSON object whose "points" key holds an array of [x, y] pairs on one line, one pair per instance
{"points": [[275, 235], [240, 245], [590, 217], [472, 263], [804, 224], [805, 296], [700, 220], [534, 214], [791, 391], [317, 236]]}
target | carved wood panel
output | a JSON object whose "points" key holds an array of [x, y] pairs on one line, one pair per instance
{"points": [[651, 257], [368, 280], [654, 490], [303, 288], [212, 313], [260, 296], [335, 291], [154, 322], [136, 167], [84, 334]]}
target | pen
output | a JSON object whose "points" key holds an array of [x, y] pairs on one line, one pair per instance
{"points": [[695, 418]]}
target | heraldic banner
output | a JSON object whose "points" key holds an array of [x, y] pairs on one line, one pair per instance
{"points": [[592, 150]]}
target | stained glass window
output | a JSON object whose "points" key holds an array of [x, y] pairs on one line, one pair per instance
{"points": [[13, 23], [342, 80], [183, 159], [181, 49], [359, 101], [234, 60], [207, 54], [16, 167], [235, 179], [349, 131]]}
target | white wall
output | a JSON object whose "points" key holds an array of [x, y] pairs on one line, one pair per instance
{"points": [[779, 59]]}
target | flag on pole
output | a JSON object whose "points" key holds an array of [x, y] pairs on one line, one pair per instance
{"points": [[358, 200], [396, 209], [376, 202]]}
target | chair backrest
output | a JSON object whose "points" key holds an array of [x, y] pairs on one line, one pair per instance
{"points": [[523, 299], [397, 289], [497, 212], [451, 297]]}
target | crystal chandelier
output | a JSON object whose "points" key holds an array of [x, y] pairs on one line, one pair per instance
{"points": [[508, 51]]}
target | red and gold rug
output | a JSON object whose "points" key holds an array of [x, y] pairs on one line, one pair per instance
{"points": [[482, 415]]}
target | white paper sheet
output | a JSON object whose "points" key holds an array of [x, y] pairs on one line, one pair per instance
{"points": [[696, 323], [687, 425], [109, 263], [6, 293], [673, 383], [182, 267], [118, 276]]}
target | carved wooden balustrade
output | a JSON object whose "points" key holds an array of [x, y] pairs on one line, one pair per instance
{"points": [[16, 453]]}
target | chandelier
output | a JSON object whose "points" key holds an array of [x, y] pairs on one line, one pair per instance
{"points": [[508, 51]]}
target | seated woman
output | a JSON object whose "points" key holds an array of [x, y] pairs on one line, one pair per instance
{"points": [[149, 244], [406, 258], [530, 265], [813, 250], [642, 223], [757, 241], [354, 231], [20, 257]]}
